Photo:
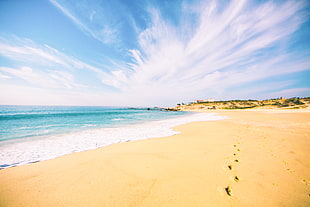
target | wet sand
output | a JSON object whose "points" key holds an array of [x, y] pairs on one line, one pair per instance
{"points": [[254, 158]]}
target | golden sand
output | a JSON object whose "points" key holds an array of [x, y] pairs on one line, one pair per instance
{"points": [[254, 158]]}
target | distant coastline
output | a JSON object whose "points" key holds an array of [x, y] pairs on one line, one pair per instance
{"points": [[277, 103]]}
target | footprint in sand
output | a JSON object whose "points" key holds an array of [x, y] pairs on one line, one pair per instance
{"points": [[290, 170], [285, 162], [236, 179], [228, 190], [306, 182]]}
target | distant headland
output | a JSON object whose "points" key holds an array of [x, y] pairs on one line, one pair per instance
{"points": [[276, 103]]}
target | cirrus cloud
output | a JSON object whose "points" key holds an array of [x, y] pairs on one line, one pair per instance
{"points": [[171, 52]]}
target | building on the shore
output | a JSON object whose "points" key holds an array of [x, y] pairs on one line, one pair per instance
{"points": [[205, 100]]}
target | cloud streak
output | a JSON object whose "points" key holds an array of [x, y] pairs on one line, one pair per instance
{"points": [[230, 46], [45, 66], [84, 15], [207, 50]]}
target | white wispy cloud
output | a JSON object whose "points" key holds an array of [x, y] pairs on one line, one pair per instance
{"points": [[51, 79], [24, 50], [46, 66], [4, 76], [239, 44], [72, 17], [44, 75], [215, 47], [84, 16]]}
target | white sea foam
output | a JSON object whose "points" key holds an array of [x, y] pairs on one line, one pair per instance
{"points": [[118, 119], [31, 150], [38, 127]]}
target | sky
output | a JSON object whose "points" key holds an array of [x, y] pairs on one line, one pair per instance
{"points": [[152, 52]]}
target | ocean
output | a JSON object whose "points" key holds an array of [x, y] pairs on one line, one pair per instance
{"points": [[35, 133]]}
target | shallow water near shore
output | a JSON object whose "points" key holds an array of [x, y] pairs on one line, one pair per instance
{"points": [[35, 133]]}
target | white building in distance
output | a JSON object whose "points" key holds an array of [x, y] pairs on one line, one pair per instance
{"points": [[205, 100]]}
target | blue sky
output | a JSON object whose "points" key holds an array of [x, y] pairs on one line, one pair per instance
{"points": [[152, 53]]}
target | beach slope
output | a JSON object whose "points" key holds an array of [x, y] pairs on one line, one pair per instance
{"points": [[253, 158]]}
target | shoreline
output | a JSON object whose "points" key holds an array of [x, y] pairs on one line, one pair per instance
{"points": [[13, 153], [252, 158]]}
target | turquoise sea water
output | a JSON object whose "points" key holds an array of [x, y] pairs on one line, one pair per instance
{"points": [[34, 133], [18, 122]]}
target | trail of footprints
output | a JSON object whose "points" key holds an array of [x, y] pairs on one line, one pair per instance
{"points": [[231, 167]]}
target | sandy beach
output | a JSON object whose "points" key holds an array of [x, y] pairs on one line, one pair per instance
{"points": [[253, 158]]}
